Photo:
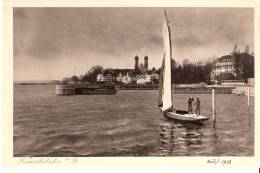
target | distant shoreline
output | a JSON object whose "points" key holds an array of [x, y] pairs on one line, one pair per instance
{"points": [[178, 90], [29, 83]]}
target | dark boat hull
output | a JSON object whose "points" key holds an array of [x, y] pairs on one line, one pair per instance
{"points": [[81, 89]]}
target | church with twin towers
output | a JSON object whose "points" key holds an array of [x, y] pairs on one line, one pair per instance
{"points": [[140, 74], [143, 67]]}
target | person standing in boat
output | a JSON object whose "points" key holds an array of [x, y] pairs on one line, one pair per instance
{"points": [[190, 105], [198, 106]]}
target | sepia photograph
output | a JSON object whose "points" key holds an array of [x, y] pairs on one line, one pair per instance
{"points": [[133, 81]]}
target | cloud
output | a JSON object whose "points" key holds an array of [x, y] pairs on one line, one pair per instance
{"points": [[116, 34]]}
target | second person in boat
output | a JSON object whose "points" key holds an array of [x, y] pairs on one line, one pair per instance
{"points": [[198, 106]]}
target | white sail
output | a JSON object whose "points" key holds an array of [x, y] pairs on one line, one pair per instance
{"points": [[165, 89]]}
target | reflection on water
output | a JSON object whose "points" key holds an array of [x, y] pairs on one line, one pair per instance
{"points": [[189, 139], [179, 138]]}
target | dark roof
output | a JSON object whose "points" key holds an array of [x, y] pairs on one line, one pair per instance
{"points": [[225, 57], [122, 71], [239, 55]]}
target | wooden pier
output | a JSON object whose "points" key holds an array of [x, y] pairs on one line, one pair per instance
{"points": [[138, 87], [203, 90], [85, 89]]}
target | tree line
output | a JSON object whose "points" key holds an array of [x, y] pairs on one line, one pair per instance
{"points": [[186, 73], [191, 72]]}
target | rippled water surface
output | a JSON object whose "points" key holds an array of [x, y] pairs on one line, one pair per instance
{"points": [[126, 124]]}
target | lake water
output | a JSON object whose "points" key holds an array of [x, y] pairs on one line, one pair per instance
{"points": [[126, 124]]}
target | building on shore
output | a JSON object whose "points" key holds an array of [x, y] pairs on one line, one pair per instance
{"points": [[126, 79], [143, 79], [225, 64], [155, 76], [105, 78], [140, 74], [142, 68], [237, 65]]}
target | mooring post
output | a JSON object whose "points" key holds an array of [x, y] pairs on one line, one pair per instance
{"points": [[248, 96], [213, 107], [248, 104]]}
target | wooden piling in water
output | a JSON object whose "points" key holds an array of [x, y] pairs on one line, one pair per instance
{"points": [[213, 107], [248, 103], [248, 96]]}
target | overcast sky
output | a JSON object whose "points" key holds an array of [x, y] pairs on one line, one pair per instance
{"points": [[50, 42]]}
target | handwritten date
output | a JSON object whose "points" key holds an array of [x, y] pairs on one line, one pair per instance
{"points": [[218, 161]]}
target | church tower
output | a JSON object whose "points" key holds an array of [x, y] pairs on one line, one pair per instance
{"points": [[136, 62], [146, 63]]}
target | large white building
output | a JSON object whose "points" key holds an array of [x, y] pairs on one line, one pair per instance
{"points": [[105, 78], [225, 64], [240, 65], [126, 79], [143, 79]]}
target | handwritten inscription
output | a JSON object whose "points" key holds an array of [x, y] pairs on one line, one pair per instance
{"points": [[218, 161], [55, 160]]}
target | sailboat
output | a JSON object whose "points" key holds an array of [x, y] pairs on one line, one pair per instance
{"points": [[165, 102]]}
